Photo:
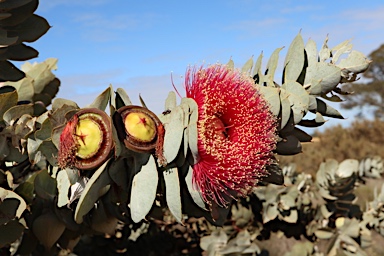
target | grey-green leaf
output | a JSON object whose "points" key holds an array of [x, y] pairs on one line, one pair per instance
{"points": [[101, 100], [7, 100], [356, 62], [271, 67], [170, 102], [8, 194], [294, 61], [195, 194], [257, 69], [174, 129], [172, 192], [48, 228], [124, 96], [143, 191], [247, 66], [328, 75], [17, 111], [63, 185], [311, 50], [285, 107], [97, 185], [231, 64]]}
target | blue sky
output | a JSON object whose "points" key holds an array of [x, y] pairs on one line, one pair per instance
{"points": [[137, 44]]}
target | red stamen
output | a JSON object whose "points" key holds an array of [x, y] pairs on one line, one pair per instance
{"points": [[68, 145], [236, 133], [159, 151]]}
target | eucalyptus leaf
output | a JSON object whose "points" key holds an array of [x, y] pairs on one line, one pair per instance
{"points": [[7, 101], [247, 66], [340, 49], [33, 149], [143, 191], [9, 72], [45, 185], [271, 94], [326, 110], [142, 102], [271, 67], [289, 146], [325, 52], [311, 51], [102, 222], [257, 70], [192, 189], [174, 130], [170, 102], [101, 100], [59, 103], [8, 194], [185, 108], [231, 64], [112, 100], [30, 29], [316, 122], [270, 213], [285, 107], [192, 130], [25, 89], [48, 229], [294, 60], [301, 135], [49, 150], [312, 104], [94, 189], [45, 130], [41, 73], [8, 209], [10, 232], [7, 40], [298, 98], [217, 236], [356, 62], [63, 185], [291, 218], [56, 133], [328, 75], [16, 112], [123, 96], [347, 168], [172, 192], [19, 52], [333, 98], [118, 145]]}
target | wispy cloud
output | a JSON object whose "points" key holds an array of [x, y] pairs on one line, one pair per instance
{"points": [[101, 27], [116, 22], [256, 24], [84, 88], [301, 8], [364, 26]]}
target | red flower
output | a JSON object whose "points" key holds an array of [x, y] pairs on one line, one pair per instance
{"points": [[236, 133]]}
